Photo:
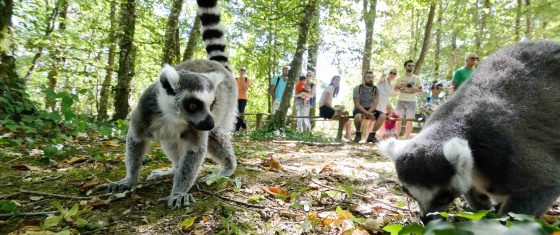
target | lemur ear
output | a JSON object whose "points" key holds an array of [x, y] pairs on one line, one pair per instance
{"points": [[389, 148], [169, 79], [215, 77], [458, 153]]}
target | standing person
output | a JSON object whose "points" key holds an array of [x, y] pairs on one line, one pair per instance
{"points": [[408, 85], [464, 73], [326, 109], [243, 84], [390, 123], [305, 93], [385, 87], [277, 87], [366, 98]]}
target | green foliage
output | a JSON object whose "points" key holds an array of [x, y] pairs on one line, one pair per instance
{"points": [[9, 206], [68, 219], [222, 181]]}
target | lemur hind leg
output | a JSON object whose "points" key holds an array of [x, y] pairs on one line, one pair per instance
{"points": [[136, 148], [221, 151]]}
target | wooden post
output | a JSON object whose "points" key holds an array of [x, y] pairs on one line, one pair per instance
{"points": [[259, 120]]}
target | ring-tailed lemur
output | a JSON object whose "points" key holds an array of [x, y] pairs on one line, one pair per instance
{"points": [[189, 111], [497, 136]]}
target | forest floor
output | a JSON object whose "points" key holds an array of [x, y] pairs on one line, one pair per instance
{"points": [[286, 187]]}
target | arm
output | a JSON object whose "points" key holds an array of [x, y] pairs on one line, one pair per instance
{"points": [[244, 84], [272, 88]]}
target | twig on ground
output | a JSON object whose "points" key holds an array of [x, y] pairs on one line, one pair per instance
{"points": [[360, 196], [8, 195], [27, 214], [230, 200], [15, 159], [54, 195], [6, 185]]}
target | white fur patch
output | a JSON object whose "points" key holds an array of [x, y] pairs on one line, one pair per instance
{"points": [[216, 78], [213, 10], [171, 74], [215, 41], [390, 148], [458, 153], [422, 195]]}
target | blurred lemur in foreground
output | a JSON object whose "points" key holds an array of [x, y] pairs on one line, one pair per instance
{"points": [[189, 111]]}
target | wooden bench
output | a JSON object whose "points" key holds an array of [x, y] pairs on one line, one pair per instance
{"points": [[259, 118], [341, 121]]}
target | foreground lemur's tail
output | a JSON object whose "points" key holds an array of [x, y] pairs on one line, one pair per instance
{"points": [[213, 32]]}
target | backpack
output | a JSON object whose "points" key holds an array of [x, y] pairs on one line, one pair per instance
{"points": [[373, 90]]}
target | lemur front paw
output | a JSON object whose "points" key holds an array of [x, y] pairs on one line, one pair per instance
{"points": [[178, 200], [120, 186]]}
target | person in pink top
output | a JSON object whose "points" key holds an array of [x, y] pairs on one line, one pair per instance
{"points": [[390, 123]]}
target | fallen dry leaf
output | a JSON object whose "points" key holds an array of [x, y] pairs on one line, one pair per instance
{"points": [[275, 191], [24, 167], [327, 168], [112, 143], [76, 160], [273, 164]]}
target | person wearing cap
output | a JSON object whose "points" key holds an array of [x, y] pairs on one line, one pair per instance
{"points": [[243, 84], [433, 100], [462, 74]]}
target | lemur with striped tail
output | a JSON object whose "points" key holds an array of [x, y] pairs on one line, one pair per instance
{"points": [[189, 111]]}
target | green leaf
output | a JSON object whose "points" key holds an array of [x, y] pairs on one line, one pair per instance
{"points": [[59, 207], [80, 223], [8, 206], [401, 204], [52, 221], [394, 229], [255, 198], [412, 229], [72, 212], [473, 216], [187, 223], [347, 189], [64, 232]]}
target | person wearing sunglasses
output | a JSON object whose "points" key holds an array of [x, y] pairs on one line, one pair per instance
{"points": [[385, 87], [408, 85], [433, 100], [462, 74]]}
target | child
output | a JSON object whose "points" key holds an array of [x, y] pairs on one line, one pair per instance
{"points": [[390, 123], [302, 92]]}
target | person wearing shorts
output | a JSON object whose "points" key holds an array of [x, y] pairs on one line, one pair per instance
{"points": [[366, 98], [407, 85], [326, 109]]}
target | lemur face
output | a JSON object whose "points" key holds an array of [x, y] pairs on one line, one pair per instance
{"points": [[192, 94], [433, 174]]}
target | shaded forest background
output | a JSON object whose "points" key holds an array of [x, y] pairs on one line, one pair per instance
{"points": [[104, 54]]}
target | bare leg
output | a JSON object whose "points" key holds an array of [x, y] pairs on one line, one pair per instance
{"points": [[408, 129], [398, 125]]}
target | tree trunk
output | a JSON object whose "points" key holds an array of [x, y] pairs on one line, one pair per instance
{"points": [[312, 53], [105, 88], [194, 39], [518, 20], [483, 20], [426, 41], [529, 22], [370, 7], [170, 44], [48, 30], [57, 60], [279, 117], [438, 42], [15, 100], [127, 55]]}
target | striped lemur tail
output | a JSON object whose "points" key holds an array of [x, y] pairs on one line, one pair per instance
{"points": [[213, 32]]}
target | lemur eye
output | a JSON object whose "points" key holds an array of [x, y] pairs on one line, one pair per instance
{"points": [[192, 107]]}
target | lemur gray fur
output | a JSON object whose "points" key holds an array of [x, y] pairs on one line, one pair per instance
{"points": [[189, 111], [497, 136]]}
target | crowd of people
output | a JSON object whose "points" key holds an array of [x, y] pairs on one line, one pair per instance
{"points": [[373, 114]]}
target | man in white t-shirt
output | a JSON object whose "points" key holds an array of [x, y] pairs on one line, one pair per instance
{"points": [[407, 85]]}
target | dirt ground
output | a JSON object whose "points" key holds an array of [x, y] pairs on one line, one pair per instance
{"points": [[287, 187]]}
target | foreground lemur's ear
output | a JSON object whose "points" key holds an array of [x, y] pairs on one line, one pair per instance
{"points": [[389, 148], [169, 79], [215, 77], [458, 153]]}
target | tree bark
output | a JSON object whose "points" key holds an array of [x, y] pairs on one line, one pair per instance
{"points": [[127, 55], [369, 11], [483, 20], [438, 41], [529, 22], [313, 52], [194, 39], [170, 44], [109, 69], [57, 60], [426, 41], [15, 100], [279, 117], [518, 20]]}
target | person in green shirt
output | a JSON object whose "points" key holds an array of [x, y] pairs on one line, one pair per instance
{"points": [[462, 74]]}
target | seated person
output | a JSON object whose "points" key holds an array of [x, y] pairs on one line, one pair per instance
{"points": [[366, 98], [390, 123], [326, 109]]}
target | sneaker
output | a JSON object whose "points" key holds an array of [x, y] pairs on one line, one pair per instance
{"points": [[358, 137], [371, 138]]}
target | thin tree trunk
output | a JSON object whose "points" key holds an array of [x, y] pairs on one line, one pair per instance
{"points": [[369, 11], [52, 75], [312, 52], [279, 117], [529, 22], [518, 20], [438, 41], [12, 88], [105, 88], [170, 44], [194, 39], [127, 55], [48, 30], [483, 20], [426, 41]]}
